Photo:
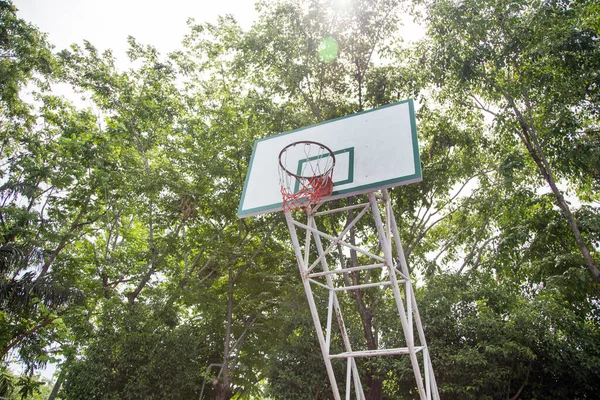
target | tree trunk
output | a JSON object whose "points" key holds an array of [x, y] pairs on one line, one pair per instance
{"points": [[60, 379], [583, 248], [222, 391], [529, 137], [222, 383], [374, 387]]}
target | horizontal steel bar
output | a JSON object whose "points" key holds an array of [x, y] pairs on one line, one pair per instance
{"points": [[345, 270], [347, 208], [375, 353], [363, 286]]}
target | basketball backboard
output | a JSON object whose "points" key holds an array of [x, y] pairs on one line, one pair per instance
{"points": [[373, 149]]}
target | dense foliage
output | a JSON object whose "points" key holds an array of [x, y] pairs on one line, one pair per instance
{"points": [[122, 261]]}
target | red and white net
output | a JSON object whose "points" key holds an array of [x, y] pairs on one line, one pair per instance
{"points": [[305, 174]]}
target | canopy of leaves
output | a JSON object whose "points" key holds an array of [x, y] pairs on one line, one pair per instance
{"points": [[122, 260]]}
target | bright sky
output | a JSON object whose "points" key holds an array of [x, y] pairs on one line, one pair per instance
{"points": [[107, 23]]}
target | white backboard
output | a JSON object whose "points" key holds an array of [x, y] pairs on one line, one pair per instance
{"points": [[374, 149]]}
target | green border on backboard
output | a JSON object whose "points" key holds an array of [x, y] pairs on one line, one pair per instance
{"points": [[416, 177]]}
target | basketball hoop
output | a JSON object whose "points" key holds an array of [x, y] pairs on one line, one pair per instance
{"points": [[313, 179]]}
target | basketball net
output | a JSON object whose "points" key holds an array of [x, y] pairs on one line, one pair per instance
{"points": [[314, 178]]}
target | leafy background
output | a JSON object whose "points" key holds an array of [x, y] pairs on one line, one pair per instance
{"points": [[122, 261]]}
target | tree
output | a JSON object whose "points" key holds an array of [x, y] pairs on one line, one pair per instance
{"points": [[295, 369], [47, 200], [288, 64], [290, 68], [121, 252], [489, 341], [243, 262], [504, 57], [144, 352], [179, 154], [24, 54]]}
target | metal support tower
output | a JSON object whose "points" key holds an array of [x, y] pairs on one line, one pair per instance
{"points": [[393, 275]]}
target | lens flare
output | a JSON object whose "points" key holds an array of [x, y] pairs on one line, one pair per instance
{"points": [[328, 50]]}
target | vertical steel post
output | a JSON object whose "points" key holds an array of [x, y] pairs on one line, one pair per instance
{"points": [[408, 333], [311, 303], [404, 267], [348, 377]]}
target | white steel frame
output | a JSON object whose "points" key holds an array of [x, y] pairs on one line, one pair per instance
{"points": [[397, 277]]}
